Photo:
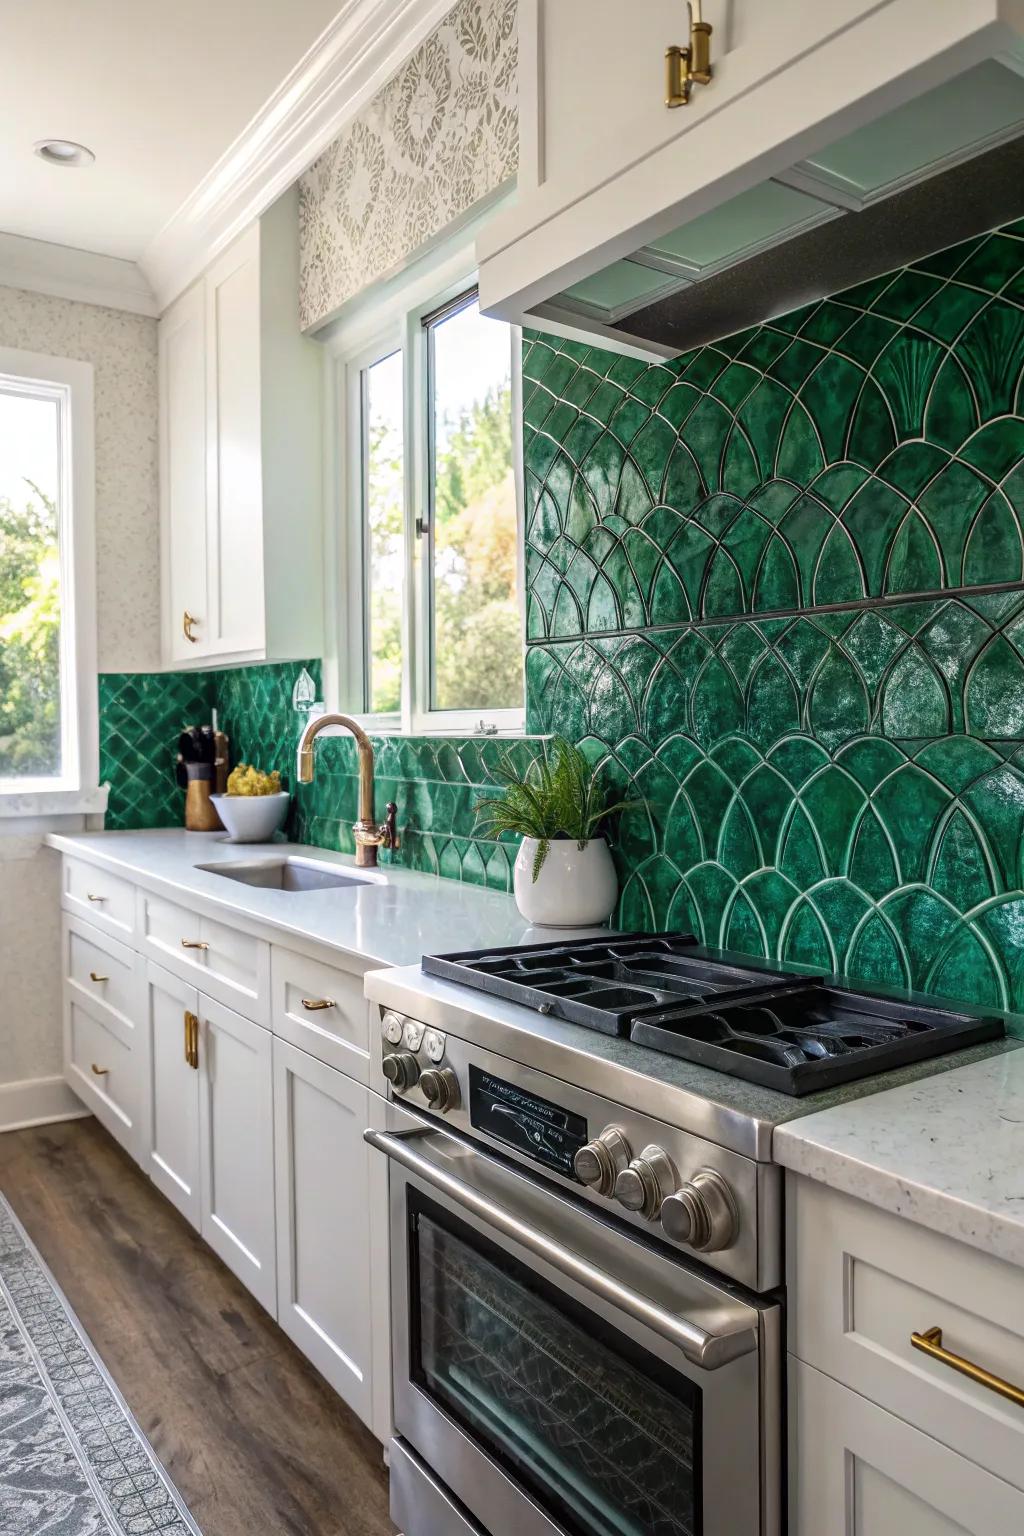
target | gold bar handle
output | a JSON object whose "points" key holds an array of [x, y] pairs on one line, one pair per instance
{"points": [[90, 897], [188, 622], [101, 1071], [191, 1040], [930, 1343], [194, 944], [95, 976], [315, 1004]]}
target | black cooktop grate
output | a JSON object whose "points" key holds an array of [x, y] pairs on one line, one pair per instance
{"points": [[787, 1032], [801, 1039], [604, 984]]}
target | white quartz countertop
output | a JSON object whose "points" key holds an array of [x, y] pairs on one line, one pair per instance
{"points": [[393, 918], [947, 1152]]}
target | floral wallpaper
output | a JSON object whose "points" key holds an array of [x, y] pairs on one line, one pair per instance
{"points": [[441, 135], [122, 350]]}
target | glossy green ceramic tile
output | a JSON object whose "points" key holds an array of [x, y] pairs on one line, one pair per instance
{"points": [[867, 446], [141, 715]]}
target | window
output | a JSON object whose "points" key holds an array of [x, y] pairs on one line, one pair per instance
{"points": [[47, 623], [430, 613]]}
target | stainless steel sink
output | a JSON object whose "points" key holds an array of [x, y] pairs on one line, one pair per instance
{"points": [[290, 874]]}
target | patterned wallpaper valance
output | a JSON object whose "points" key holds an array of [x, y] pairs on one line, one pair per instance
{"points": [[441, 135]]}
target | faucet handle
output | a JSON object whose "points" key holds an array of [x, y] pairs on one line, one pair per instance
{"points": [[389, 827]]}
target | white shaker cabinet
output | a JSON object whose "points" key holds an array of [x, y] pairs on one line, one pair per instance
{"points": [[209, 1101], [240, 454], [236, 1146], [623, 201], [856, 1470], [172, 1090], [331, 1257]]}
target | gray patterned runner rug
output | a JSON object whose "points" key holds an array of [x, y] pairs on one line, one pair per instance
{"points": [[73, 1461]]}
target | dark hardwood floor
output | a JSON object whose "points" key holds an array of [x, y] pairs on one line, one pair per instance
{"points": [[253, 1438]]}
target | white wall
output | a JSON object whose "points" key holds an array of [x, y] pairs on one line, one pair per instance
{"points": [[122, 350]]}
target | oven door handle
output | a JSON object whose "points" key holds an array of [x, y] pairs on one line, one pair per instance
{"points": [[710, 1351]]}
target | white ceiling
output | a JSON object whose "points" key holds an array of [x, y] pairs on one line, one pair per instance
{"points": [[157, 91]]}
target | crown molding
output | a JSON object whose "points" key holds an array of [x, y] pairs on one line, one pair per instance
{"points": [[360, 50], [64, 272]]}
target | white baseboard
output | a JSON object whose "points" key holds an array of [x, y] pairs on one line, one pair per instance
{"points": [[37, 1101]]}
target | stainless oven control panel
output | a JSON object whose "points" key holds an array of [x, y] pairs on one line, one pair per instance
{"points": [[696, 1195]]}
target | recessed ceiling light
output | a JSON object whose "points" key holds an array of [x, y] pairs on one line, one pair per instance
{"points": [[63, 152]]}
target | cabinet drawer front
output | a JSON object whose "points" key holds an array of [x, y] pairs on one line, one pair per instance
{"points": [[100, 969], [863, 1281], [225, 963], [102, 898], [859, 1471], [104, 1071], [337, 1034]]}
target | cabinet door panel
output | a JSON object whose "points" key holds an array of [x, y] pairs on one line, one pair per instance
{"points": [[323, 1175], [234, 455], [172, 1093], [856, 1470], [236, 1138], [182, 383]]}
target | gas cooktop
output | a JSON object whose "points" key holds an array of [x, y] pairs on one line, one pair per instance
{"points": [[792, 1033]]}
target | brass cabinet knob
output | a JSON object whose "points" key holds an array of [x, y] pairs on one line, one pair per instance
{"points": [[194, 944], [316, 1004], [100, 1071], [188, 623], [96, 976]]}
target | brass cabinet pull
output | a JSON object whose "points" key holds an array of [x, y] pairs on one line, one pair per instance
{"points": [[95, 976], [101, 1071], [194, 944], [930, 1343], [188, 620], [191, 1040], [90, 897], [315, 1004]]}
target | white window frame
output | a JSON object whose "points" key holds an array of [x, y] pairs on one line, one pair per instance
{"points": [[393, 321], [69, 382]]}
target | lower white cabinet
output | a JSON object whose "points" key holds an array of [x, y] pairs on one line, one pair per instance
{"points": [[236, 1146], [256, 1141], [856, 1470], [210, 1102], [325, 1258], [172, 1091]]}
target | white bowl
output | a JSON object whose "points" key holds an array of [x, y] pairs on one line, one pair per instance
{"points": [[252, 818]]}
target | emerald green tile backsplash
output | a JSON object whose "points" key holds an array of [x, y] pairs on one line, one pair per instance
{"points": [[868, 446], [142, 714], [776, 588]]}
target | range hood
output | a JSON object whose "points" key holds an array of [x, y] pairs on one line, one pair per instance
{"points": [[937, 170]]}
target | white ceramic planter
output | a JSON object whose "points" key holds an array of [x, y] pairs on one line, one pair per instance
{"points": [[576, 888]]}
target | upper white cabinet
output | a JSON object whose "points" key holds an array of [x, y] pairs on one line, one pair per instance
{"points": [[240, 456], [813, 114]]}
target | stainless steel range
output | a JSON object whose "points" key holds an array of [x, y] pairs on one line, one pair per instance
{"points": [[586, 1233]]}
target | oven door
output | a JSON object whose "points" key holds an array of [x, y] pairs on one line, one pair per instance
{"points": [[562, 1377]]}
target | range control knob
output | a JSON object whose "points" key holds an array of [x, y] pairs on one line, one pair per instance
{"points": [[440, 1088], [392, 1024], [701, 1213], [600, 1162], [401, 1070], [646, 1182]]}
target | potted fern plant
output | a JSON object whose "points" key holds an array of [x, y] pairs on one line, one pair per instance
{"points": [[564, 876]]}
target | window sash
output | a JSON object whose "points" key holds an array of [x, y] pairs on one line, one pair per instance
{"points": [[69, 383], [346, 555]]}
